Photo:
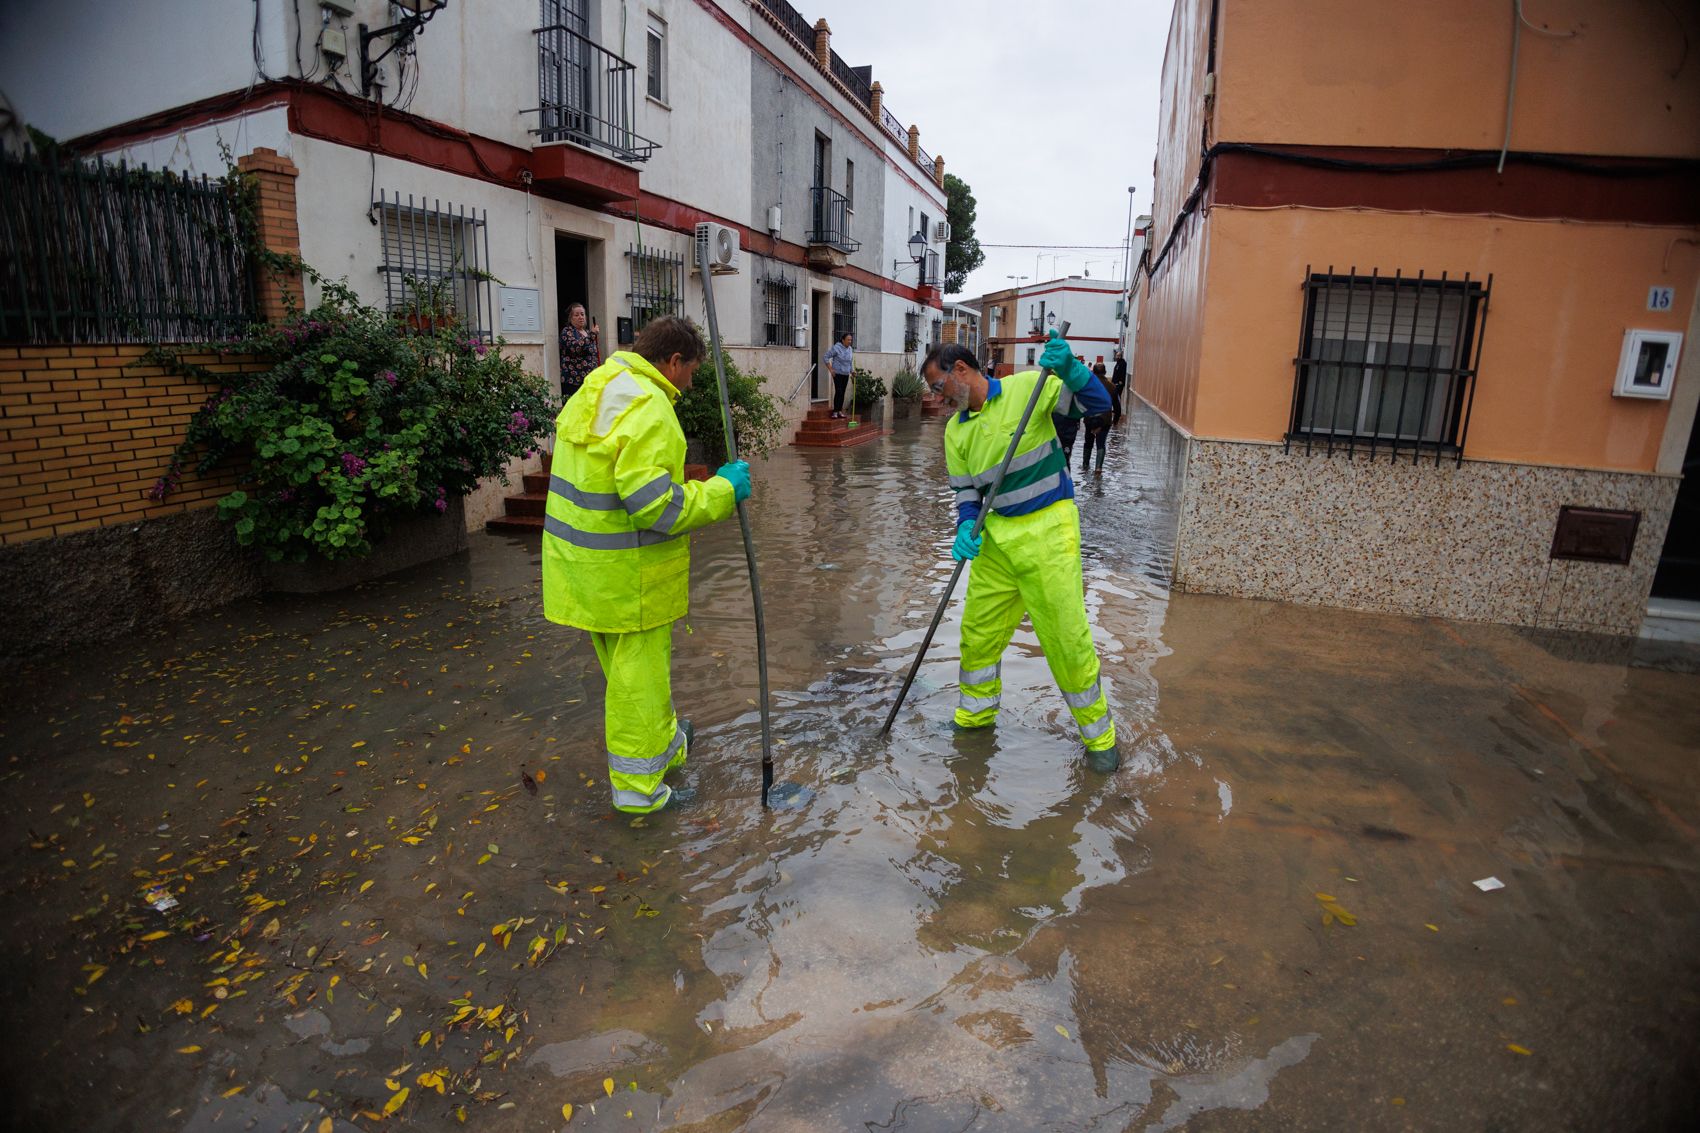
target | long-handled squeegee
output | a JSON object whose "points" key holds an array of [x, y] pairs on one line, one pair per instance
{"points": [[743, 520], [980, 521]]}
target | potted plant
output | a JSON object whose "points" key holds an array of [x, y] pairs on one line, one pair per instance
{"points": [[756, 418], [868, 396], [430, 303], [907, 390]]}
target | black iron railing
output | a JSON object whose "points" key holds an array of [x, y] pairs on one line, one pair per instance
{"points": [[657, 284], [1388, 362], [858, 80], [930, 276], [925, 160], [892, 126], [585, 95], [436, 261], [793, 21], [107, 253], [843, 316], [829, 219], [779, 309]]}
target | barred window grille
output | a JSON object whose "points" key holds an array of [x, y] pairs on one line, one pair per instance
{"points": [[1388, 362], [657, 284], [779, 311], [436, 260], [843, 316], [912, 331], [938, 331]]}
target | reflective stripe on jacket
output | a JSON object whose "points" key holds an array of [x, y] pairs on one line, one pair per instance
{"points": [[975, 443], [615, 559]]}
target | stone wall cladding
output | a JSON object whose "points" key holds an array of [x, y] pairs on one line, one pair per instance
{"points": [[1469, 542]]}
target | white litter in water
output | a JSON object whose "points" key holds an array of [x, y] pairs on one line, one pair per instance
{"points": [[1489, 884]]}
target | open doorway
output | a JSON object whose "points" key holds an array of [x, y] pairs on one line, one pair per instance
{"points": [[572, 280], [818, 326], [1678, 576]]}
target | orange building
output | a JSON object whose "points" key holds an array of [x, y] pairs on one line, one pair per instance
{"points": [[1416, 298]]}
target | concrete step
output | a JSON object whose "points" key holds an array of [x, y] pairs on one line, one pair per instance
{"points": [[529, 503], [536, 481], [845, 439], [515, 525]]}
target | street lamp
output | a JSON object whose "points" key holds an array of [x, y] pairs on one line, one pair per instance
{"points": [[1127, 253], [917, 253]]}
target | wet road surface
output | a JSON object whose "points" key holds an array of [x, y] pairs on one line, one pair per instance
{"points": [[383, 820]]}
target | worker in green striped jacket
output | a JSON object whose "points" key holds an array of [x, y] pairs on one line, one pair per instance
{"points": [[1026, 559]]}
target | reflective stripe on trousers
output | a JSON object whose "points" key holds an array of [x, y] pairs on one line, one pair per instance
{"points": [[1030, 565], [640, 731]]}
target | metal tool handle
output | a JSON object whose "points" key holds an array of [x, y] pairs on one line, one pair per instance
{"points": [[743, 520], [979, 523]]}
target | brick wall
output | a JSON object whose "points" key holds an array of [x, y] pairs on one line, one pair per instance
{"points": [[85, 431]]}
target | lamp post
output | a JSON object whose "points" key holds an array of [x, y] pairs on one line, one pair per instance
{"points": [[1127, 245], [917, 252]]}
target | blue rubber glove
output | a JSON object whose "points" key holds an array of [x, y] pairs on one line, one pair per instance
{"points": [[737, 474], [1058, 357], [967, 544]]}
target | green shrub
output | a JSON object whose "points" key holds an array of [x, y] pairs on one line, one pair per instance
{"points": [[756, 417], [356, 423], [868, 389], [907, 386]]}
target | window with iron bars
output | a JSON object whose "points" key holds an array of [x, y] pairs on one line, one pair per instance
{"points": [[436, 260], [657, 284], [912, 331], [1388, 362], [843, 317], [779, 312]]}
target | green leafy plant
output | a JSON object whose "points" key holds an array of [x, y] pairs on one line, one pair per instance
{"points": [[756, 417], [354, 424], [866, 388], [907, 386]]}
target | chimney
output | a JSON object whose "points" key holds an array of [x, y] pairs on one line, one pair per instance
{"points": [[823, 45], [914, 143], [938, 169], [878, 103]]}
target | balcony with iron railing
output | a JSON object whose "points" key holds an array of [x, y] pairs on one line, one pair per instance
{"points": [[586, 95], [792, 20], [929, 265], [829, 219]]}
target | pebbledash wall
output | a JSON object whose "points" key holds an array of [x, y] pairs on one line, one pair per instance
{"points": [[1572, 255]]}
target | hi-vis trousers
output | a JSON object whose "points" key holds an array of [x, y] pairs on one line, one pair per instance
{"points": [[640, 730], [1030, 564]]}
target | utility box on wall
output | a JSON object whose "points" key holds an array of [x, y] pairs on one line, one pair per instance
{"points": [[521, 310]]}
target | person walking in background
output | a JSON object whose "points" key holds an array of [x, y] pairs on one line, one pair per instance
{"points": [[1098, 424], [581, 351], [840, 359], [1118, 386]]}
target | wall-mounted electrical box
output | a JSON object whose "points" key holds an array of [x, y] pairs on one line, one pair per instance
{"points": [[333, 43], [1595, 535], [1647, 365], [521, 310]]}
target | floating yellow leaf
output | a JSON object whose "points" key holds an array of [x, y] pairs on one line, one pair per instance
{"points": [[1326, 897], [1062, 1030], [1397, 1101], [392, 1084], [183, 1006], [567, 1111], [158, 934], [479, 951], [326, 1125], [359, 744], [188, 1050], [394, 1015], [431, 1080], [539, 777], [365, 885], [608, 1086], [598, 888], [482, 858], [1430, 927], [396, 1102], [1515, 1049], [421, 970], [234, 1090]]}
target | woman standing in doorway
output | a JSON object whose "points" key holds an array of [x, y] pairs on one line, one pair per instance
{"points": [[840, 359], [580, 352]]}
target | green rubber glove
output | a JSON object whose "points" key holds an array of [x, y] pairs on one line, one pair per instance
{"points": [[737, 473], [1058, 357], [967, 544]]}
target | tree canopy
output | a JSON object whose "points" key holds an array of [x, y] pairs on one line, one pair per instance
{"points": [[963, 254]]}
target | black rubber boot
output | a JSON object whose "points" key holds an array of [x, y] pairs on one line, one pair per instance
{"points": [[1104, 761]]}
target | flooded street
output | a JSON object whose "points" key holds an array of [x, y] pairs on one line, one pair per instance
{"points": [[378, 823]]}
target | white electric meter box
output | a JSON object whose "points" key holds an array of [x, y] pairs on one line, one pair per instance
{"points": [[521, 310]]}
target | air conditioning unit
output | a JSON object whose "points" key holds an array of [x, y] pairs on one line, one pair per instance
{"points": [[941, 231], [722, 244]]}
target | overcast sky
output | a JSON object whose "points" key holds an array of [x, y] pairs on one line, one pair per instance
{"points": [[1048, 111]]}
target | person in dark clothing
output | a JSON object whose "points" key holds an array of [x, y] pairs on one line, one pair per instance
{"points": [[1098, 426], [1068, 428], [1118, 386]]}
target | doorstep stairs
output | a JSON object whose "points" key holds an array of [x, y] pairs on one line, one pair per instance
{"points": [[820, 430]]}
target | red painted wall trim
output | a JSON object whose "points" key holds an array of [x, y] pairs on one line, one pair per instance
{"points": [[1630, 191], [1116, 294], [187, 116], [330, 116]]}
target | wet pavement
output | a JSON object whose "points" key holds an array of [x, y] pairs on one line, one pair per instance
{"points": [[383, 821]]}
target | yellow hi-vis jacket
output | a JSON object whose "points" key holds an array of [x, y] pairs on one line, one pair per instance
{"points": [[616, 558]]}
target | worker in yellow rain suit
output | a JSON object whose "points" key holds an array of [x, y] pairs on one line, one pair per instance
{"points": [[1027, 556], [616, 556]]}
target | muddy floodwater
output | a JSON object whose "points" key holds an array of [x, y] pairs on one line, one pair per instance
{"points": [[347, 862]]}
